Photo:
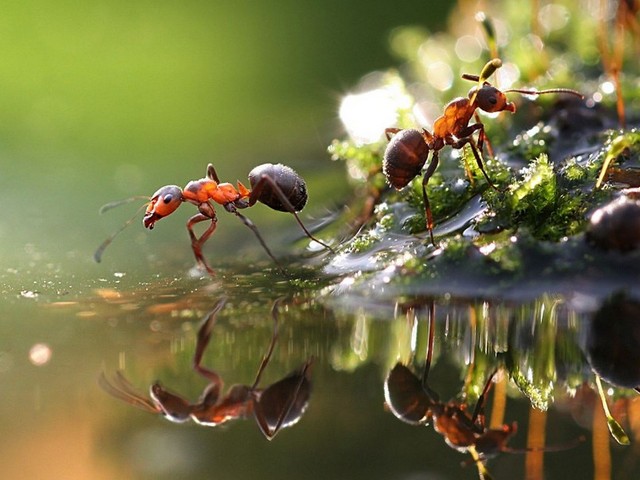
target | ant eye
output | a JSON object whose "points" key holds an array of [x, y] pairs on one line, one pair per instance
{"points": [[167, 198], [493, 100]]}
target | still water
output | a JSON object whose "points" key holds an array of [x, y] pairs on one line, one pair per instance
{"points": [[59, 423]]}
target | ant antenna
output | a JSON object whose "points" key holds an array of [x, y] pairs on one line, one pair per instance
{"points": [[108, 206], [542, 92], [97, 256]]}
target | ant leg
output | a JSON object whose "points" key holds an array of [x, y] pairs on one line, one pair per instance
{"points": [[231, 208], [478, 411], [469, 140], [482, 138], [196, 243], [255, 195], [269, 403], [272, 344], [425, 180], [388, 132], [211, 173], [212, 391], [427, 365], [203, 338]]}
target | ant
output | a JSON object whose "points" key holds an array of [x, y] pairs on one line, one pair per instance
{"points": [[277, 186], [408, 149], [413, 401], [277, 406]]}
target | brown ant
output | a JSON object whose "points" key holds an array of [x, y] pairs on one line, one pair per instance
{"points": [[277, 186], [408, 149], [277, 406], [413, 401]]}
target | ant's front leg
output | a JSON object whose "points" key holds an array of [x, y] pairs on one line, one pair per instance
{"points": [[196, 243], [482, 138], [471, 142], [257, 192], [212, 392], [478, 411]]}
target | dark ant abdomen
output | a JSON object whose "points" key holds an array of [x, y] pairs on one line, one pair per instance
{"points": [[404, 157], [291, 184]]}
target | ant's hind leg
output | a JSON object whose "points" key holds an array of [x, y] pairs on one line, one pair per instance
{"points": [[427, 207], [232, 209]]}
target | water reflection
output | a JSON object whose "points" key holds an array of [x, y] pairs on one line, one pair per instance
{"points": [[413, 401], [279, 405], [150, 330], [511, 351]]}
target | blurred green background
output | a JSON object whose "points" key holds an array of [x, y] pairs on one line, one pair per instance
{"points": [[103, 100]]}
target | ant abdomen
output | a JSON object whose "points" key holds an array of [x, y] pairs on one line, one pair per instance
{"points": [[404, 157], [290, 183]]}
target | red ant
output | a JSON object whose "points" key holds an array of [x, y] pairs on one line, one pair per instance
{"points": [[408, 149], [277, 186], [411, 400], [277, 406]]}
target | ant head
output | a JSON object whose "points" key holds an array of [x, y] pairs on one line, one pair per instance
{"points": [[490, 99], [164, 202]]}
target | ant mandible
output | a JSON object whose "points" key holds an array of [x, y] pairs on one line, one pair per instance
{"points": [[277, 186], [413, 401], [408, 149], [277, 406]]}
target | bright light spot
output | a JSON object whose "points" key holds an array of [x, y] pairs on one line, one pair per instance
{"points": [[607, 88], [29, 294], [507, 75], [347, 282], [487, 249], [553, 17], [440, 76], [366, 115], [40, 354], [119, 274], [468, 48]]}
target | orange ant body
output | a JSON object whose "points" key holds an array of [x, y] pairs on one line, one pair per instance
{"points": [[277, 406], [277, 186], [413, 401], [408, 149]]}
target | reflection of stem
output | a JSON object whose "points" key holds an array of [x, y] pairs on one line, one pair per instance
{"points": [[482, 469], [499, 402], [601, 452], [615, 429], [534, 461]]}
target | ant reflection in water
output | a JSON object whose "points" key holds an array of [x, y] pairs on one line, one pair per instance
{"points": [[277, 406], [413, 401]]}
